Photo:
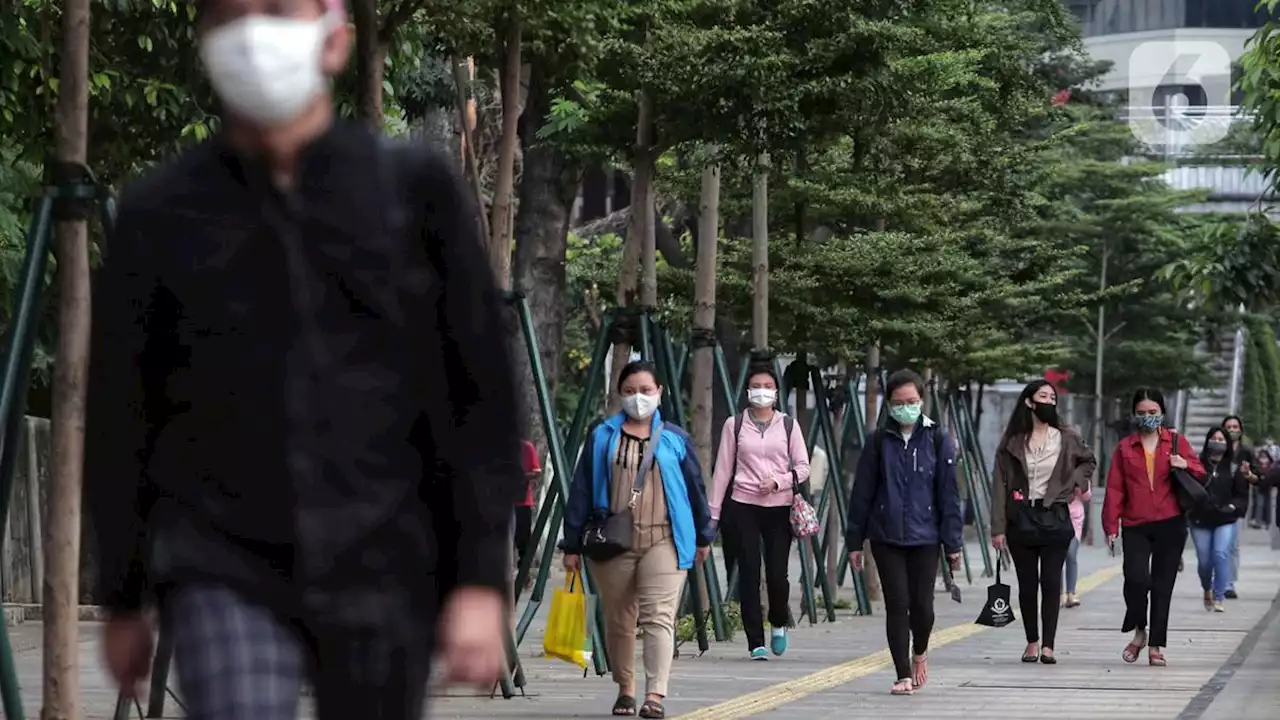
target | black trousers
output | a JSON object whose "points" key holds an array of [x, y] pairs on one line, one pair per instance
{"points": [[729, 551], [1151, 554], [523, 530], [1039, 568], [767, 528], [907, 576]]}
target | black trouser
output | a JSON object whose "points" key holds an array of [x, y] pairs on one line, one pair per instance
{"points": [[768, 528], [728, 536], [907, 575], [523, 530], [1039, 568], [1151, 555]]}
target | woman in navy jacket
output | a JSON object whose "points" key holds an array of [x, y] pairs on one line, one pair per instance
{"points": [[905, 501]]}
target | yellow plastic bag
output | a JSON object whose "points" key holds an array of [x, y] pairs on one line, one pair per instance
{"points": [[566, 637]]}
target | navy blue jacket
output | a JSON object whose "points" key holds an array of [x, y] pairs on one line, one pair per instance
{"points": [[911, 499]]}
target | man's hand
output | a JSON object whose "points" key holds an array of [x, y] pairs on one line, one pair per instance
{"points": [[855, 559], [127, 649], [572, 563], [953, 559], [998, 542], [473, 642]]}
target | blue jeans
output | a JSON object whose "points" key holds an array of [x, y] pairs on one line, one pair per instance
{"points": [[1213, 553], [1072, 568]]}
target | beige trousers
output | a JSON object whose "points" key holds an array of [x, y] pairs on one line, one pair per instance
{"points": [[641, 586]]}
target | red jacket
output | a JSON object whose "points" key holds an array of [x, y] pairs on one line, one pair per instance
{"points": [[1133, 498]]}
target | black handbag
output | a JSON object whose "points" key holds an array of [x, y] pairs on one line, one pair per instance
{"points": [[1192, 496], [607, 535], [998, 611], [1035, 524]]}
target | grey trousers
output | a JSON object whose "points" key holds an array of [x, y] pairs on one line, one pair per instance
{"points": [[239, 661]]}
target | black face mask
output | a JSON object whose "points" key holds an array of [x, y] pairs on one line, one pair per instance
{"points": [[1046, 412], [1216, 448]]}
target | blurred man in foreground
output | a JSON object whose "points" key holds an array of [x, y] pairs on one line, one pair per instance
{"points": [[301, 427]]}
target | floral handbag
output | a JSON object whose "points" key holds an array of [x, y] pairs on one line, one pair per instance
{"points": [[804, 519]]}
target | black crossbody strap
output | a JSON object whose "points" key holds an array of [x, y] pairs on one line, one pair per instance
{"points": [[646, 462]]}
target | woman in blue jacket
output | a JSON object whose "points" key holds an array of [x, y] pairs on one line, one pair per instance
{"points": [[670, 531], [905, 501]]}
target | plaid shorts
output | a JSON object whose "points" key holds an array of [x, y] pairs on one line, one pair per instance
{"points": [[239, 661]]}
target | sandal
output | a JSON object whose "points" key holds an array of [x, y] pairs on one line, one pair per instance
{"points": [[624, 706], [1131, 651], [1156, 658], [652, 709], [902, 687], [920, 671]]}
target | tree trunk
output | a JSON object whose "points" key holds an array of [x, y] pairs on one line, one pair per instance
{"points": [[704, 327], [504, 186], [62, 538], [760, 253], [639, 233], [465, 99], [872, 409], [371, 55], [547, 188]]}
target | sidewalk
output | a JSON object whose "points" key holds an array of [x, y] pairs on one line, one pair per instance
{"points": [[1221, 666]]}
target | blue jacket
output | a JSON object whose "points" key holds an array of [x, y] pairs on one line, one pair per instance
{"points": [[681, 483], [911, 499]]}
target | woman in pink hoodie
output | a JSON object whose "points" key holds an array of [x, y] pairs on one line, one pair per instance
{"points": [[759, 469], [1072, 570]]}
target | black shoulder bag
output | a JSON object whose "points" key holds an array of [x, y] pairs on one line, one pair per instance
{"points": [[1192, 496], [607, 535], [1033, 523]]}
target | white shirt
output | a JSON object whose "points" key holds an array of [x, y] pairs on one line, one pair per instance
{"points": [[1041, 461]]}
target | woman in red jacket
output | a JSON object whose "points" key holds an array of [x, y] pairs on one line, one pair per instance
{"points": [[1141, 493]]}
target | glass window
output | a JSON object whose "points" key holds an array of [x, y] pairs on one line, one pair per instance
{"points": [[1112, 17]]}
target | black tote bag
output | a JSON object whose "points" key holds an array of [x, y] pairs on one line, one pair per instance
{"points": [[997, 612], [1192, 495]]}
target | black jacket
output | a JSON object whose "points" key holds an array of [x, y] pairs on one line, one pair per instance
{"points": [[300, 395], [1228, 492]]}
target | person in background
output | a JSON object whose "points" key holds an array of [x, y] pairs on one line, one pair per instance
{"points": [[1244, 461], [523, 524], [302, 445], [906, 502], [1214, 527], [1141, 495], [1079, 510], [763, 459], [1045, 466], [671, 531]]}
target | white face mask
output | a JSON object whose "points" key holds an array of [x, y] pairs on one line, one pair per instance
{"points": [[267, 69], [762, 397], [640, 406]]}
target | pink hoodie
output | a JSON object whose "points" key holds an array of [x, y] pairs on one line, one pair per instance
{"points": [[1076, 506], [761, 457]]}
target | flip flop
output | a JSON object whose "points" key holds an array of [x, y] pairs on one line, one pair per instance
{"points": [[920, 671], [1131, 651], [902, 687], [624, 706], [652, 709]]}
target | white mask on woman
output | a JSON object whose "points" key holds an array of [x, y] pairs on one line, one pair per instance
{"points": [[641, 406], [267, 69], [762, 397]]}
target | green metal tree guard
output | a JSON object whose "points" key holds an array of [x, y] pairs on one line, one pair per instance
{"points": [[71, 195]]}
